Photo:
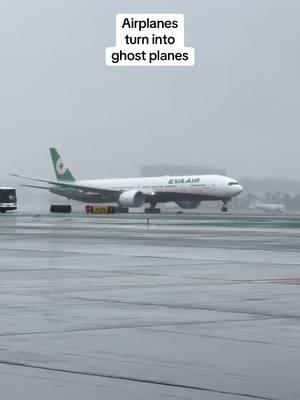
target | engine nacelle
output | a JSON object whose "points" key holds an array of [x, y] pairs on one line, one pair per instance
{"points": [[132, 198], [188, 204]]}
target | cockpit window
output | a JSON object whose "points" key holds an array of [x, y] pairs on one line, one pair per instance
{"points": [[233, 183]]}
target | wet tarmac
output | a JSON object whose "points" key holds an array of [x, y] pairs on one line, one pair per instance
{"points": [[107, 308]]}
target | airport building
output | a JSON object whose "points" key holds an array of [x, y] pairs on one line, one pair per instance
{"points": [[177, 169]]}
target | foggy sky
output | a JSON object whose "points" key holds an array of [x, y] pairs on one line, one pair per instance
{"points": [[238, 108]]}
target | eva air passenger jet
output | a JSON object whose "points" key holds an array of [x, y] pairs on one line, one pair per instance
{"points": [[186, 191]]}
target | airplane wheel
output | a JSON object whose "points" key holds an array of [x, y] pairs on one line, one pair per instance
{"points": [[122, 210], [152, 210], [2, 211], [224, 209]]}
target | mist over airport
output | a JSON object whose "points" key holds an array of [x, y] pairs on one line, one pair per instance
{"points": [[156, 286], [237, 109]]}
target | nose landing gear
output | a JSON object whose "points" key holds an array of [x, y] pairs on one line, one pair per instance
{"points": [[224, 207]]}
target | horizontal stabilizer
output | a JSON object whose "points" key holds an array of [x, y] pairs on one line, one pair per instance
{"points": [[70, 185], [36, 187]]}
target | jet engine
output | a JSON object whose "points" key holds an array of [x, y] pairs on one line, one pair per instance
{"points": [[188, 204], [132, 198]]}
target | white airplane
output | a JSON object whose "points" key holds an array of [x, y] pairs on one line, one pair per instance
{"points": [[186, 191], [269, 208]]}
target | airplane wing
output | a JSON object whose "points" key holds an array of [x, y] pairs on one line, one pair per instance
{"points": [[68, 185]]}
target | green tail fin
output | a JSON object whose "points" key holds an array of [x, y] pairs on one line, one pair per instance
{"points": [[62, 173]]}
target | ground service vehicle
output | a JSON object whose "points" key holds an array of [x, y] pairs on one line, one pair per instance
{"points": [[60, 208], [8, 199]]}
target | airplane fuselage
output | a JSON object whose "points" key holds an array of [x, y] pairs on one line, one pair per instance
{"points": [[158, 189], [269, 207], [186, 191]]}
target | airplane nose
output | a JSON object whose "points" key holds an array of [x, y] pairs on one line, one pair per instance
{"points": [[234, 188], [238, 189]]}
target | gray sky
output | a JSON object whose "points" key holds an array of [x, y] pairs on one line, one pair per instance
{"points": [[238, 108]]}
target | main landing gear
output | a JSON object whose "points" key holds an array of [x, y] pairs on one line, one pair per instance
{"points": [[152, 209]]}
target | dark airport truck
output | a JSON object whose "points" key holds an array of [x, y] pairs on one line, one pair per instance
{"points": [[8, 199]]}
